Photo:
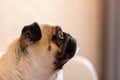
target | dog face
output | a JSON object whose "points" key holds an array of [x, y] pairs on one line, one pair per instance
{"points": [[48, 44]]}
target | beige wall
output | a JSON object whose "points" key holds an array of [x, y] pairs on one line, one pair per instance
{"points": [[81, 18]]}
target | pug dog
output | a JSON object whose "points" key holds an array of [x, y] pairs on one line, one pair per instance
{"points": [[38, 54]]}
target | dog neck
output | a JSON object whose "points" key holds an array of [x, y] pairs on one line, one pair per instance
{"points": [[28, 74], [27, 69]]}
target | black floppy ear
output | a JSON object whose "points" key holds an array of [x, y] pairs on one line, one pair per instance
{"points": [[31, 33]]}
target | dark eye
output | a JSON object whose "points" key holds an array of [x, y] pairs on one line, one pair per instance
{"points": [[60, 35], [58, 39]]}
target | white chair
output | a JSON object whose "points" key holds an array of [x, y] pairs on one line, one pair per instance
{"points": [[79, 68], [1, 53]]}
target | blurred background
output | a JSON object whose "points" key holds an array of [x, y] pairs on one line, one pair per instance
{"points": [[94, 23]]}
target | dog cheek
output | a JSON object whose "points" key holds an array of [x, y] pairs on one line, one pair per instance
{"points": [[60, 61]]}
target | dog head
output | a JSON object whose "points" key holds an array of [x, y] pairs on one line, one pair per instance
{"points": [[48, 44]]}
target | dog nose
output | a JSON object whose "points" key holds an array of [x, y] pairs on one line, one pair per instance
{"points": [[71, 46]]}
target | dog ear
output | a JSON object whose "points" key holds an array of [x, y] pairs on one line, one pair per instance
{"points": [[31, 33]]}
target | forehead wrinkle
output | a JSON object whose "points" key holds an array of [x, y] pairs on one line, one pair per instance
{"points": [[47, 32]]}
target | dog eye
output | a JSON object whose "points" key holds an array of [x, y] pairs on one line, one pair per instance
{"points": [[60, 35]]}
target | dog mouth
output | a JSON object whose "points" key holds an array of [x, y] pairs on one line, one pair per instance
{"points": [[67, 45]]}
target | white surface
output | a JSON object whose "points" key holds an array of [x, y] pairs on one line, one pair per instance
{"points": [[1, 53], [79, 68]]}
